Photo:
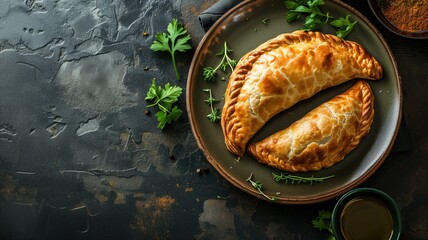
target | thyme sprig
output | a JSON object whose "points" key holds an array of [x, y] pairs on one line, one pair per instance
{"points": [[209, 73], [215, 114], [287, 177], [259, 186]]}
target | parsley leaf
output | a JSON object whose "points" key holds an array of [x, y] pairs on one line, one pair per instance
{"points": [[168, 117], [315, 17], [176, 40], [323, 222], [344, 26], [292, 5], [164, 99]]}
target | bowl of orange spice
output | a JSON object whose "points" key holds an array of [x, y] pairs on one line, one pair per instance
{"points": [[407, 18]]}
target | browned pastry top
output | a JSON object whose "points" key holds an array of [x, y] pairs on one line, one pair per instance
{"points": [[285, 70], [323, 136]]}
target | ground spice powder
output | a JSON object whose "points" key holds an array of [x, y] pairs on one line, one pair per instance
{"points": [[407, 15]]}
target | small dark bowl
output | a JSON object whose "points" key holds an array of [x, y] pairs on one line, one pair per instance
{"points": [[374, 6], [367, 192]]}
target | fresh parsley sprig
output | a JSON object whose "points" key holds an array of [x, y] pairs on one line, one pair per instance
{"points": [[287, 177], [209, 73], [323, 222], [176, 40], [344, 26], [258, 185], [315, 18], [215, 114], [164, 99]]}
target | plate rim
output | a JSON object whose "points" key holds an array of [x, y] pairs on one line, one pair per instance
{"points": [[284, 199]]}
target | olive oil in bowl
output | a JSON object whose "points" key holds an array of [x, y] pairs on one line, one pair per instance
{"points": [[366, 214], [366, 218]]}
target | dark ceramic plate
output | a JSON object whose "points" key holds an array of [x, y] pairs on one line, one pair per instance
{"points": [[374, 6], [244, 28]]}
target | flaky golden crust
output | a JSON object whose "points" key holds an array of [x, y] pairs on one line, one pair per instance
{"points": [[323, 136], [283, 71]]}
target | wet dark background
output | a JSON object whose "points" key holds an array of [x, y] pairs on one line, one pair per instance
{"points": [[80, 158]]}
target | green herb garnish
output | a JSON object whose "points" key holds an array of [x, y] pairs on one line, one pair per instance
{"points": [[164, 98], [315, 18], [323, 222], [258, 185], [287, 177], [215, 114], [209, 73], [344, 26], [176, 40]]}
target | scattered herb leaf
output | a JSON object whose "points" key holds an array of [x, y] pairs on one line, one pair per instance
{"points": [[258, 185], [344, 26], [323, 222], [287, 177], [164, 98], [209, 73], [215, 114], [176, 40], [265, 21]]}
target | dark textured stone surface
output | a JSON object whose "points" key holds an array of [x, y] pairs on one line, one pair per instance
{"points": [[80, 158]]}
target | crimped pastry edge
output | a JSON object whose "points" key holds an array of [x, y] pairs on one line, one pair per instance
{"points": [[367, 116], [238, 77]]}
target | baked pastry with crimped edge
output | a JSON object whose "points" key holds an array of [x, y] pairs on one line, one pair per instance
{"points": [[283, 71], [323, 136]]}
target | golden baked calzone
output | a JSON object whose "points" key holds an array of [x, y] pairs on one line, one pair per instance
{"points": [[283, 71], [323, 136]]}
